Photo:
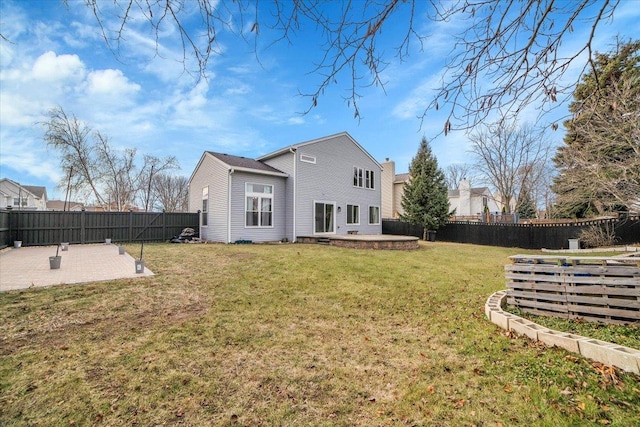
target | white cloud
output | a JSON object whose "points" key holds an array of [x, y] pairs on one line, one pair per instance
{"points": [[52, 67], [18, 110], [28, 157], [110, 82]]}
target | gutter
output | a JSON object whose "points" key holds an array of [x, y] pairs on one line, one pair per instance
{"points": [[295, 180], [229, 180]]}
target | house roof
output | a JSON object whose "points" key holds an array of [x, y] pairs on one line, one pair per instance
{"points": [[245, 163], [36, 190], [314, 141], [58, 205], [401, 177], [478, 191]]}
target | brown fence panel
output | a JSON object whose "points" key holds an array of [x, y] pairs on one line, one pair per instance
{"points": [[526, 236], [53, 227], [5, 229]]}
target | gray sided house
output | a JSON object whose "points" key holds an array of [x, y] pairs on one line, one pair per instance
{"points": [[322, 187]]}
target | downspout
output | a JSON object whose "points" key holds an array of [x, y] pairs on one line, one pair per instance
{"points": [[229, 179], [295, 180]]}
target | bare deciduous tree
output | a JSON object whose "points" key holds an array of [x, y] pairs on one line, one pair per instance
{"points": [[510, 158], [456, 172], [118, 173], [170, 193], [71, 138], [112, 179], [508, 55], [152, 166]]}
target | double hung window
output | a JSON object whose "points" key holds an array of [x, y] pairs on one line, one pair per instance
{"points": [[353, 214], [363, 178], [374, 215], [205, 206]]}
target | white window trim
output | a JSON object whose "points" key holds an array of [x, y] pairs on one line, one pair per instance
{"points": [[205, 214], [370, 173], [260, 196], [313, 223], [364, 173], [308, 159], [369, 215], [358, 219]]}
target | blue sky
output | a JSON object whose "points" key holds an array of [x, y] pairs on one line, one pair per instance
{"points": [[56, 57]]}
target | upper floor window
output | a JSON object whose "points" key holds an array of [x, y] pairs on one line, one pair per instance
{"points": [[16, 201], [259, 205], [363, 178]]}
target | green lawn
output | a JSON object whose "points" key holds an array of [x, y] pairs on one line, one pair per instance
{"points": [[293, 335]]}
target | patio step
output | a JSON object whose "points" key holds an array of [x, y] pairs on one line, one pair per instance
{"points": [[323, 241]]}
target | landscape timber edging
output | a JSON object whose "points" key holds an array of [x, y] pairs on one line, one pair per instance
{"points": [[625, 358]]}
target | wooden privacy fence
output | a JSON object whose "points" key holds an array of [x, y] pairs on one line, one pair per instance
{"points": [[52, 227], [592, 288], [526, 236]]}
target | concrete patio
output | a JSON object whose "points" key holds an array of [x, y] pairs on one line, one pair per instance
{"points": [[29, 266]]}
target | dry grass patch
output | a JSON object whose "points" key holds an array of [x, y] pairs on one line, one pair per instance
{"points": [[292, 335]]}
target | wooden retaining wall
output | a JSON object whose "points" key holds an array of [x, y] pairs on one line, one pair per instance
{"points": [[602, 289]]}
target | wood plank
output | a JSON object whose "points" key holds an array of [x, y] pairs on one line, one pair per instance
{"points": [[529, 268], [604, 302], [539, 296], [534, 278], [537, 286], [621, 271], [573, 279], [609, 281], [545, 313], [603, 290], [604, 320], [599, 260], [562, 308], [626, 314]]}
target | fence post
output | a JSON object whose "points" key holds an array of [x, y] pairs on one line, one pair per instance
{"points": [[130, 224], [10, 221], [164, 225], [83, 226]]}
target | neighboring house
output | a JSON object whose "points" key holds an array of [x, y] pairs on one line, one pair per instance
{"points": [[465, 200], [321, 187], [22, 197], [392, 190], [61, 205], [469, 201], [112, 207]]}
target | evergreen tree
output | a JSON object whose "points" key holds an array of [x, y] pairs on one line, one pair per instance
{"points": [[599, 163], [425, 199], [525, 208]]}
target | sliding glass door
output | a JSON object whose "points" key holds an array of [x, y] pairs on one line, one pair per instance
{"points": [[324, 217]]}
